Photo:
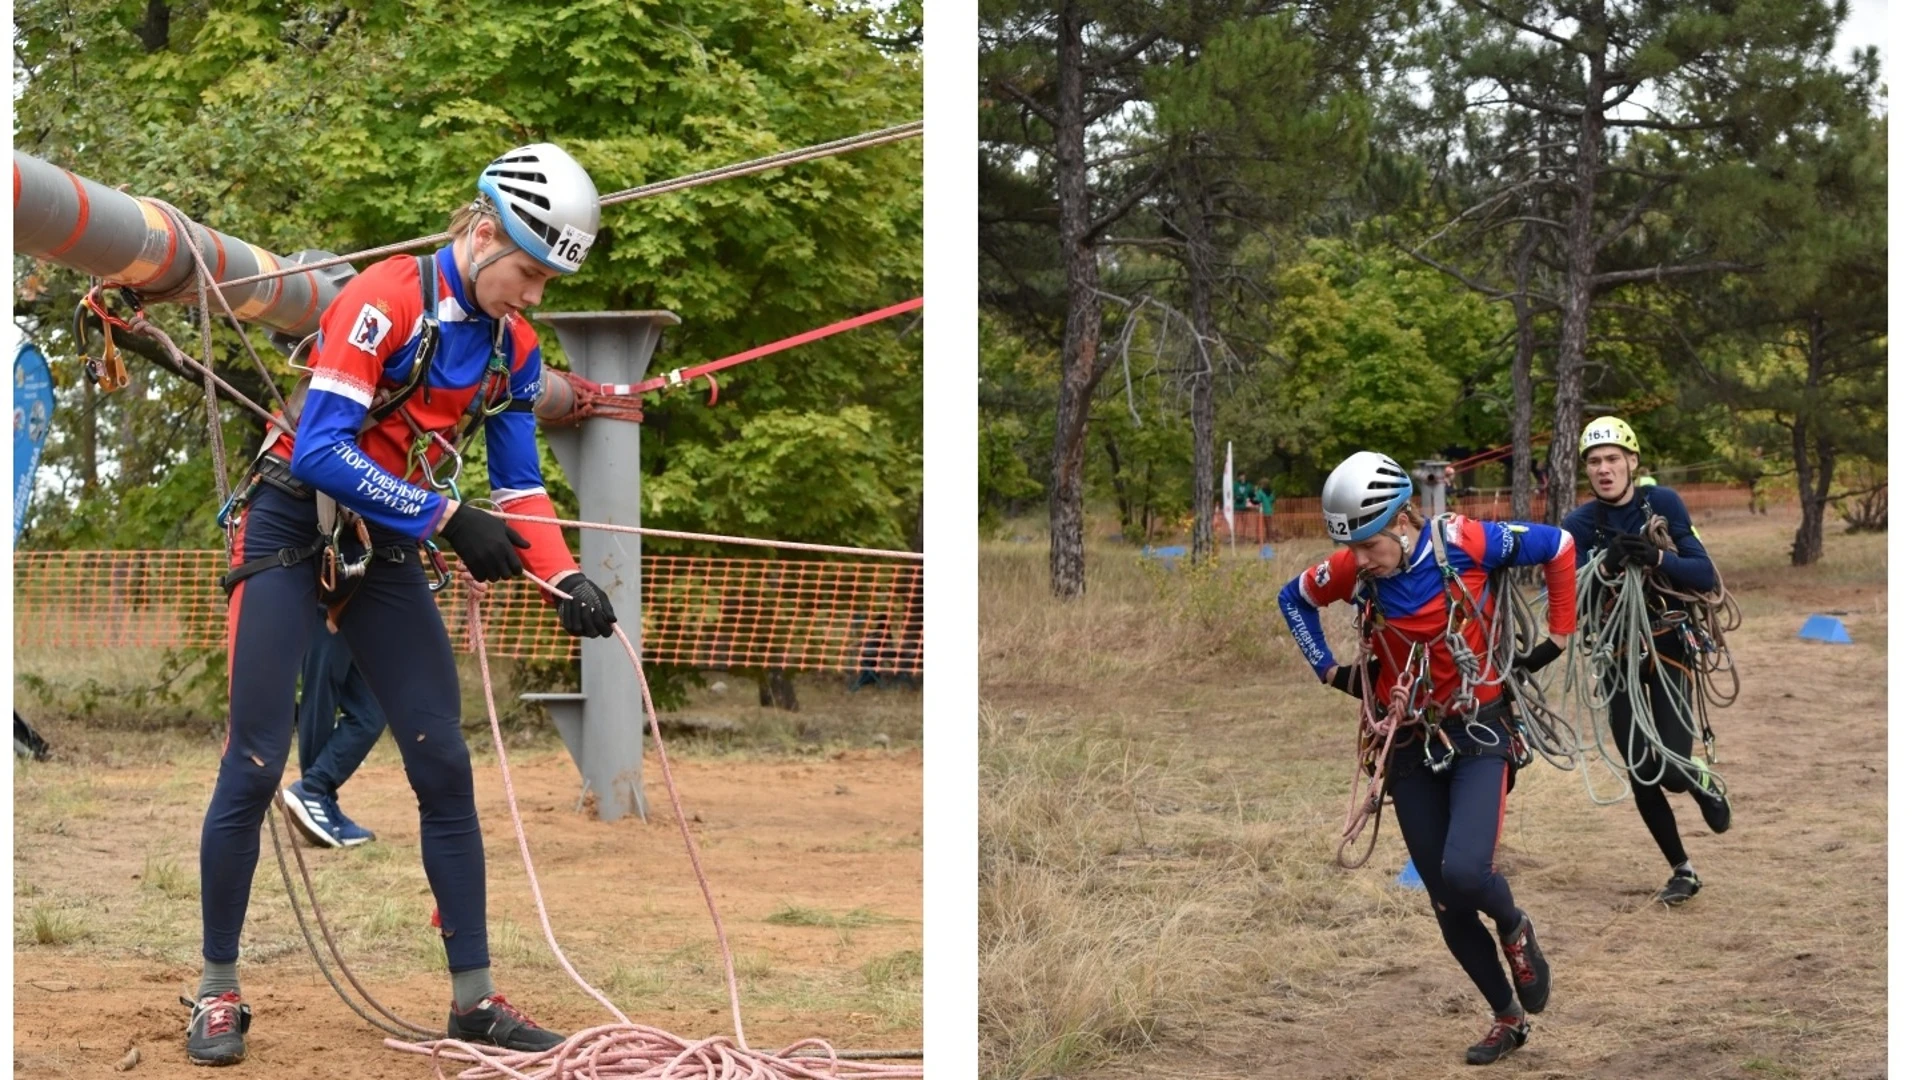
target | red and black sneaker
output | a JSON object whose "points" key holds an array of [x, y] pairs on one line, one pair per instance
{"points": [[497, 1023], [1507, 1035], [217, 1032], [1532, 978]]}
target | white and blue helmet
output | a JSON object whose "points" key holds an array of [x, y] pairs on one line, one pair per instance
{"points": [[546, 201], [1362, 495]]}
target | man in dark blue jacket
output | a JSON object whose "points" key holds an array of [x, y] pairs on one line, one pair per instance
{"points": [[1612, 527]]}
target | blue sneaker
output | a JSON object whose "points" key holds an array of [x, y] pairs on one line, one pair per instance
{"points": [[350, 834], [312, 815]]}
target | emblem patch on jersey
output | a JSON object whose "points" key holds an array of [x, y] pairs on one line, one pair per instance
{"points": [[370, 328], [1337, 526], [1322, 574], [1453, 531]]}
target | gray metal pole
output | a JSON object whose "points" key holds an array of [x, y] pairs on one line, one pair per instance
{"points": [[603, 726], [1432, 476]]}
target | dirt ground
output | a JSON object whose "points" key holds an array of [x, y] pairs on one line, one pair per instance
{"points": [[1777, 969], [814, 857]]}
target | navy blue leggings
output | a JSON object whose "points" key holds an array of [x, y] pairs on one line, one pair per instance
{"points": [[339, 720], [399, 642], [1451, 822], [1647, 772]]}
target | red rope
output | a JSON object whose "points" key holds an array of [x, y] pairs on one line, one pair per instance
{"points": [[706, 370]]}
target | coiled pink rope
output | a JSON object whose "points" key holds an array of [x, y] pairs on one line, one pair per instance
{"points": [[626, 1049]]}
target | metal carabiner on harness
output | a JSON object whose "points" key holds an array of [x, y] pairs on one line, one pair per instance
{"points": [[1474, 721], [439, 564], [418, 461], [1426, 748], [357, 567]]}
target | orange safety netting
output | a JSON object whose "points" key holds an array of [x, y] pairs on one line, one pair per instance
{"points": [[1299, 518], [705, 612]]}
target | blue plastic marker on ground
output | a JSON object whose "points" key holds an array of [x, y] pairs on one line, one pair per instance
{"points": [[1410, 878], [1825, 628]]}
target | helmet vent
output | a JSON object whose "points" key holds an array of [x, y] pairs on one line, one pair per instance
{"points": [[540, 228], [533, 197]]}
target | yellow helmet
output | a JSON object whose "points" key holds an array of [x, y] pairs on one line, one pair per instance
{"points": [[1608, 431]]}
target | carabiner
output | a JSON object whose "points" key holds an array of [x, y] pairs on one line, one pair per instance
{"points": [[439, 564]]}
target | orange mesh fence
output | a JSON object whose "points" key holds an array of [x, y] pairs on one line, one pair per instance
{"points": [[705, 612], [1294, 519]]}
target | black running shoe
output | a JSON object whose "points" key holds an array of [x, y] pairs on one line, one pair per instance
{"points": [[217, 1033], [1679, 888], [1532, 978], [497, 1023], [1506, 1036]]}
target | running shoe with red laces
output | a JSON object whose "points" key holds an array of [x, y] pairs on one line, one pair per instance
{"points": [[1507, 1035], [497, 1023], [1532, 978], [217, 1032]]}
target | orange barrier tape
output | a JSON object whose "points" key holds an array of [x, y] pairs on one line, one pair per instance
{"points": [[704, 612], [1297, 519]]}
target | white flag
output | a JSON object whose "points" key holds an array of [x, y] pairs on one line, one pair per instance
{"points": [[1226, 489]]}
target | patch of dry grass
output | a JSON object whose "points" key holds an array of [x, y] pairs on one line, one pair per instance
{"points": [[1161, 785]]}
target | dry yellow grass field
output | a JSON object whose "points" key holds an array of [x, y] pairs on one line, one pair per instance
{"points": [[1161, 787]]}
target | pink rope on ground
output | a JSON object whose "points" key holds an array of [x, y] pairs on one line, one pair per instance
{"points": [[626, 1049], [669, 534]]}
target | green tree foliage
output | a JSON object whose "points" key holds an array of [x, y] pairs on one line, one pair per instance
{"points": [[348, 125], [1597, 121]]}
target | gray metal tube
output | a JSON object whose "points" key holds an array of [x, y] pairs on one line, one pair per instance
{"points": [[70, 220], [605, 729], [78, 223]]}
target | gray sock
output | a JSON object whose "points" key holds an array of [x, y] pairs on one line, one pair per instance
{"points": [[1513, 1011], [219, 978], [469, 987], [1684, 868]]}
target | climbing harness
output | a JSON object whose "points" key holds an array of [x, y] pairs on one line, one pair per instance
{"points": [[339, 575], [1508, 627]]}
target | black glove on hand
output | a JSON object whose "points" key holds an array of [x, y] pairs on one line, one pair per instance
{"points": [[484, 543], [589, 613], [1627, 548], [1539, 656], [1635, 548]]}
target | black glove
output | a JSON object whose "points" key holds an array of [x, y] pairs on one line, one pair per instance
{"points": [[589, 613], [1346, 678], [484, 543], [1627, 548], [1539, 656]]}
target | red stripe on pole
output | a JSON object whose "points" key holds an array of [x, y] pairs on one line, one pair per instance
{"points": [[80, 226]]}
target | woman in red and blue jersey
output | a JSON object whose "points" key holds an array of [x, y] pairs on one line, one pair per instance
{"points": [[1426, 587], [414, 355]]}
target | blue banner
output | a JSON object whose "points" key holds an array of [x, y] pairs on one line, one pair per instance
{"points": [[32, 419]]}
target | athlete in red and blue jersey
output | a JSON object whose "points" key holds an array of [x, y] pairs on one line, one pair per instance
{"points": [[534, 220], [368, 342], [1419, 576]]}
